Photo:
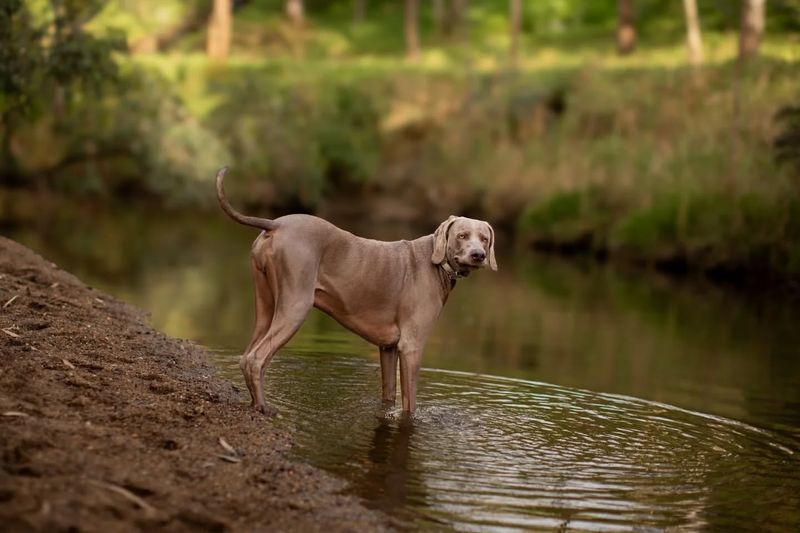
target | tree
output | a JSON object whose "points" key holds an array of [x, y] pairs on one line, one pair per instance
{"points": [[752, 28], [448, 15], [218, 43], [411, 29], [515, 18], [626, 31], [48, 63], [296, 12], [459, 16], [694, 41], [439, 17], [359, 10]]}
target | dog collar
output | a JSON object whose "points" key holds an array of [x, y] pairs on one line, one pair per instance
{"points": [[451, 272]]}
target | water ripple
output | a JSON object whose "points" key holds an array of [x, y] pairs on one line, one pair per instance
{"points": [[485, 453]]}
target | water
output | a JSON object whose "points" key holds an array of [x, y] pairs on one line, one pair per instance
{"points": [[500, 454], [555, 395]]}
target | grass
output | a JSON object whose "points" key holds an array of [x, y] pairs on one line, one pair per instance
{"points": [[677, 170]]}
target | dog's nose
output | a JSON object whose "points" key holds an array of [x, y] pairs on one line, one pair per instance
{"points": [[477, 255]]}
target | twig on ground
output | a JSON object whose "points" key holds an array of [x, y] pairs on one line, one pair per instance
{"points": [[148, 509], [10, 301], [228, 448]]}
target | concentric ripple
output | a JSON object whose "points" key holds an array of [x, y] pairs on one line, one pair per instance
{"points": [[493, 454]]}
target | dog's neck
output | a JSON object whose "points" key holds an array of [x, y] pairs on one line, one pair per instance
{"points": [[448, 277], [451, 272]]}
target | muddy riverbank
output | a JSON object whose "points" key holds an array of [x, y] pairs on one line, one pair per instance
{"points": [[106, 423]]}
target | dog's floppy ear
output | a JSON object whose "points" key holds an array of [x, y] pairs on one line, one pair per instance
{"points": [[492, 260], [440, 240]]}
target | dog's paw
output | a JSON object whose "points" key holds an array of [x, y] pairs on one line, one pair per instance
{"points": [[387, 404], [267, 410]]}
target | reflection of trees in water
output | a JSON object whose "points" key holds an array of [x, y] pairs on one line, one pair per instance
{"points": [[188, 269]]}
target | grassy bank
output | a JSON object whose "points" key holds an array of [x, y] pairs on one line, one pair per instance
{"points": [[676, 169], [663, 165]]}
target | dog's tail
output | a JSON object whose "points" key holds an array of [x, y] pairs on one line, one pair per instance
{"points": [[256, 222]]}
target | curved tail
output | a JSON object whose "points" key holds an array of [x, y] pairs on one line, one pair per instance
{"points": [[256, 222]]}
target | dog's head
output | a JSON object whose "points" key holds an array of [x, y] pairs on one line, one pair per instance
{"points": [[465, 243]]}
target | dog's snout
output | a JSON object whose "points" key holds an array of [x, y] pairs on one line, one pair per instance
{"points": [[477, 255]]}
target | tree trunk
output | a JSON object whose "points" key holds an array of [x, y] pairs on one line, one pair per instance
{"points": [[626, 31], [219, 30], [751, 29], [458, 18], [458, 9], [448, 16], [515, 18], [412, 30], [694, 41], [359, 10], [439, 16], [296, 12]]}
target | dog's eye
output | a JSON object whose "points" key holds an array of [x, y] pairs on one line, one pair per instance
{"points": [[484, 238], [462, 236]]}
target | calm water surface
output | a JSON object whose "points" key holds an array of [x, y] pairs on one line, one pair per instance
{"points": [[555, 395]]}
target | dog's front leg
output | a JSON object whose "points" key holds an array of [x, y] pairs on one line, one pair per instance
{"points": [[389, 373], [410, 358]]}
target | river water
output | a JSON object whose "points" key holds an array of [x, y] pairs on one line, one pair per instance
{"points": [[555, 395]]}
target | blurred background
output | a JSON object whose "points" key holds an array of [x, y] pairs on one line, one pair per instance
{"points": [[665, 132]]}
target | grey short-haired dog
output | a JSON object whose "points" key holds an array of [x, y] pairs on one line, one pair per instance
{"points": [[389, 293]]}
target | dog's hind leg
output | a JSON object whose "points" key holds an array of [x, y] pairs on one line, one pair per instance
{"points": [[293, 298], [265, 308]]}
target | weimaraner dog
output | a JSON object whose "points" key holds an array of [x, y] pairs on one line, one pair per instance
{"points": [[389, 293]]}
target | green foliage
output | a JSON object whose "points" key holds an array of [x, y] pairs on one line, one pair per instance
{"points": [[652, 228], [348, 134], [787, 142], [713, 231], [21, 58], [37, 59], [146, 139], [638, 155], [45, 66], [676, 169], [141, 19], [571, 219], [555, 210], [300, 137]]}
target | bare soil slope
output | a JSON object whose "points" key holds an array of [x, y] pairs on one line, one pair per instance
{"points": [[106, 424]]}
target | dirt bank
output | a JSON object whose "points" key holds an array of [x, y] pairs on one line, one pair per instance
{"points": [[106, 424]]}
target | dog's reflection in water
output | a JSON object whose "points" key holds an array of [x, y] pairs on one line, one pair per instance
{"points": [[392, 478]]}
